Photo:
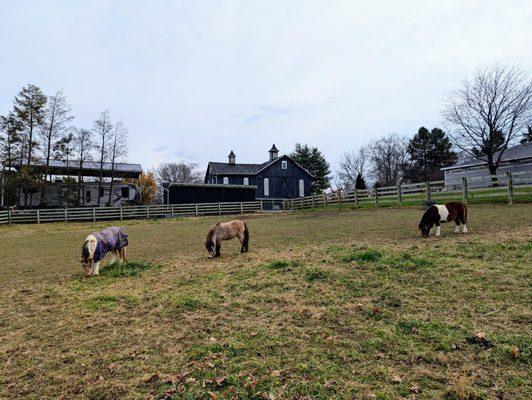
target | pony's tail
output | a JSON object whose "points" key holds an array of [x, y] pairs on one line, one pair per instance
{"points": [[465, 215], [245, 244]]}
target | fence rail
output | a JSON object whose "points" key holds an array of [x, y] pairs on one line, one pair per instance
{"points": [[123, 213], [509, 188]]}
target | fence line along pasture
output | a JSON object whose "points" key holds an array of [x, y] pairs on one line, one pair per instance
{"points": [[510, 187], [131, 212], [516, 186]]}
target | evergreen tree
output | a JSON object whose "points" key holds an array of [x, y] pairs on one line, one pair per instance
{"points": [[10, 130], [29, 110], [360, 183], [314, 162], [527, 136], [429, 151]]}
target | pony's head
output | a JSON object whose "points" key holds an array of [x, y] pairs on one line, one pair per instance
{"points": [[426, 223], [87, 254]]}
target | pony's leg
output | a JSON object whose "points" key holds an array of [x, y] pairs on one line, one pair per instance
{"points": [[217, 249], [96, 270], [113, 257], [464, 228], [241, 239], [438, 227], [457, 228], [122, 253]]}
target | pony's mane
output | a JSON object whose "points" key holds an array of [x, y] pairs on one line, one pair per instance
{"points": [[210, 235], [87, 249]]}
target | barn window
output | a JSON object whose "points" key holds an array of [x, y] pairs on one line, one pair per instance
{"points": [[246, 181], [266, 187], [284, 164], [226, 180], [301, 188], [101, 192], [88, 196]]}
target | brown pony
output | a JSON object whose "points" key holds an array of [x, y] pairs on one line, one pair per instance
{"points": [[226, 231], [437, 213]]}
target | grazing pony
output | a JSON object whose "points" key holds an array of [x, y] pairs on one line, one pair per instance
{"points": [[226, 231], [452, 211], [111, 240]]}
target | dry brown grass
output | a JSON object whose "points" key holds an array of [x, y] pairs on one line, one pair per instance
{"points": [[326, 305]]}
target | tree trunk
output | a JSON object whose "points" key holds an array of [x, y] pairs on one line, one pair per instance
{"points": [[493, 173]]}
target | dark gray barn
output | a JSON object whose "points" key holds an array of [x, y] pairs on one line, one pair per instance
{"points": [[278, 178], [188, 193]]}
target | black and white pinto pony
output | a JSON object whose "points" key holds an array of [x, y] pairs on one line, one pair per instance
{"points": [[436, 214], [112, 240], [227, 231]]}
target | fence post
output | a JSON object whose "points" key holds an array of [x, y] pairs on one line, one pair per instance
{"points": [[9, 216], [172, 210], [293, 204], [38, 216], [399, 194], [356, 198], [147, 212], [339, 200], [510, 188], [262, 205], [66, 216], [313, 202], [376, 196], [427, 190], [196, 204], [464, 189], [121, 215], [93, 214], [219, 209], [241, 208]]}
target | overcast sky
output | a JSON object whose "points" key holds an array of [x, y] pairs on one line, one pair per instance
{"points": [[193, 80]]}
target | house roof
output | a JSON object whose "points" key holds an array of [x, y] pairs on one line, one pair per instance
{"points": [[520, 152], [90, 168], [218, 168]]}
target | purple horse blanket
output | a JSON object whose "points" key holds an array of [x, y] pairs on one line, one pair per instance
{"points": [[113, 238]]}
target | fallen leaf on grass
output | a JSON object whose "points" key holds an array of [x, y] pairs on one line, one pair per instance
{"points": [[397, 379], [414, 389], [276, 372]]}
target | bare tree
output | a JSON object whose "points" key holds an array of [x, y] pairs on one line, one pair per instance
{"points": [[353, 164], [180, 172], [117, 150], [102, 129], [83, 145], [388, 156], [489, 112], [54, 128]]}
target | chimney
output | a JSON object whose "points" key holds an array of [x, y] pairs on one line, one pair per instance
{"points": [[274, 153], [232, 158]]}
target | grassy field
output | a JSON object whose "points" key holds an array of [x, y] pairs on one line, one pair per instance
{"points": [[350, 304]]}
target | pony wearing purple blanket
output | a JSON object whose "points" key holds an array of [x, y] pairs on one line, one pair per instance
{"points": [[111, 240]]}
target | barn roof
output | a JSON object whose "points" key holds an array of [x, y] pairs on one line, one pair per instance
{"points": [[520, 152], [219, 168], [90, 168]]}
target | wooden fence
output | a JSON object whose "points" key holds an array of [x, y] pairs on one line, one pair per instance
{"points": [[122, 213], [508, 188]]}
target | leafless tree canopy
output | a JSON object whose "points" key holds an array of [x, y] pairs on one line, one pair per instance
{"points": [[388, 156], [102, 130], [352, 164], [117, 151], [178, 173], [489, 112]]}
